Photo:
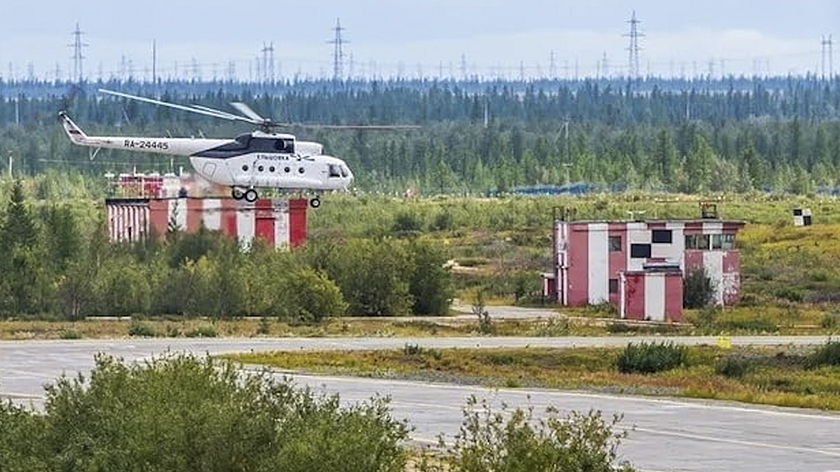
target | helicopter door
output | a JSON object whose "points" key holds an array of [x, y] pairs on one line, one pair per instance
{"points": [[209, 170]]}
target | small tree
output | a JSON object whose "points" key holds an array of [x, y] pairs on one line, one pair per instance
{"points": [[698, 289], [485, 323]]}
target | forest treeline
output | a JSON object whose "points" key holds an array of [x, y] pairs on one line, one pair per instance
{"points": [[780, 135], [55, 263]]}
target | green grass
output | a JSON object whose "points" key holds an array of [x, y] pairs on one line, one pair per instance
{"points": [[783, 376]]}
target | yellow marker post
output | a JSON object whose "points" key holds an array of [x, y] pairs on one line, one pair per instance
{"points": [[724, 342]]}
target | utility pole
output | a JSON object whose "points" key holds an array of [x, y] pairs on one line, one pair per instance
{"points": [[78, 56], [338, 50], [11, 161], [154, 61], [826, 55], [268, 62], [605, 66], [463, 66], [552, 66], [633, 48]]}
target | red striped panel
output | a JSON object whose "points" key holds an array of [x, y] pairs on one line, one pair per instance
{"points": [[159, 216], [693, 260], [578, 283], [673, 297], [693, 227], [228, 216], [634, 296], [264, 226], [617, 260], [195, 209], [297, 221]]}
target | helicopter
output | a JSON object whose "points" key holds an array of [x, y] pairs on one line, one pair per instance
{"points": [[259, 159]]}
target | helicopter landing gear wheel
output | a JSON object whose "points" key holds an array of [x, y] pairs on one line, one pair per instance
{"points": [[251, 195], [315, 202], [237, 193]]}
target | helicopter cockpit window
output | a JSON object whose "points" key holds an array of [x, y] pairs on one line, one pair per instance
{"points": [[335, 170], [285, 146], [344, 172], [242, 141]]}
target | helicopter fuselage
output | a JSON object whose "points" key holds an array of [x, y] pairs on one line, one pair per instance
{"points": [[253, 160]]}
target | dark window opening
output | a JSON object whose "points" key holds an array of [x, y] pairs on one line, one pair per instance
{"points": [[261, 168], [613, 285], [335, 171], [615, 243], [271, 169], [287, 170], [640, 251], [661, 236], [301, 170], [286, 146], [245, 168]]}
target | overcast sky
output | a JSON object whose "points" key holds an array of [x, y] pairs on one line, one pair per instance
{"points": [[412, 36]]}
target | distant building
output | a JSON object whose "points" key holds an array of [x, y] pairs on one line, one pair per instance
{"points": [[279, 222], [638, 266]]}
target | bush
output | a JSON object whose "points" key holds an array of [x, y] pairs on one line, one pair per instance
{"points": [[204, 330], [755, 325], [790, 294], [733, 366], [649, 358], [180, 413], [141, 328], [698, 290], [511, 441], [70, 333], [827, 354], [830, 321]]}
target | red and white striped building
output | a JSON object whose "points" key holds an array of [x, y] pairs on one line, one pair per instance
{"points": [[280, 222], [634, 264]]}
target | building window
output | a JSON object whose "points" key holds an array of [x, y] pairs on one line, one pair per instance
{"points": [[615, 243], [723, 242], [640, 251], [661, 236], [698, 242], [728, 242], [613, 285]]}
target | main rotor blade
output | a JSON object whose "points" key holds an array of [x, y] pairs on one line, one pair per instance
{"points": [[202, 111], [369, 127], [247, 111], [213, 110]]}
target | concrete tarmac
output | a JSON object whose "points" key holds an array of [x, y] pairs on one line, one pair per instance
{"points": [[665, 434]]}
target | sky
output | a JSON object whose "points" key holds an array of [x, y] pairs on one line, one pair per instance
{"points": [[408, 38]]}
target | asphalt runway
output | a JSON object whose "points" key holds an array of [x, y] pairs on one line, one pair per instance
{"points": [[665, 434]]}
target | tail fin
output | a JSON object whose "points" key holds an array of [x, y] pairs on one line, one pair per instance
{"points": [[74, 132]]}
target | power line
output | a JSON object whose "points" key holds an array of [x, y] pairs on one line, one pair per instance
{"points": [[338, 50], [827, 53], [78, 56], [633, 48]]}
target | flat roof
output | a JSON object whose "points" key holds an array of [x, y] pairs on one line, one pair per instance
{"points": [[674, 220]]}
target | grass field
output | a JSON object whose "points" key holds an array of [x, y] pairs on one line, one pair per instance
{"points": [[783, 376]]}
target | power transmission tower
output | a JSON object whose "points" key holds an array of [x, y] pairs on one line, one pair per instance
{"points": [[338, 43], [78, 56], [633, 48], [464, 66], [268, 62], [826, 55], [605, 66], [552, 66], [154, 61]]}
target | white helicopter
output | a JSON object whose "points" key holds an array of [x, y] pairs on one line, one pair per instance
{"points": [[260, 159]]}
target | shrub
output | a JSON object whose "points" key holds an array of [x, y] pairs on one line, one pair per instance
{"points": [[70, 333], [649, 358], [830, 321], [827, 354], [183, 413], [698, 289], [407, 222], [733, 366], [509, 441], [141, 328], [757, 325], [790, 294], [204, 330]]}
